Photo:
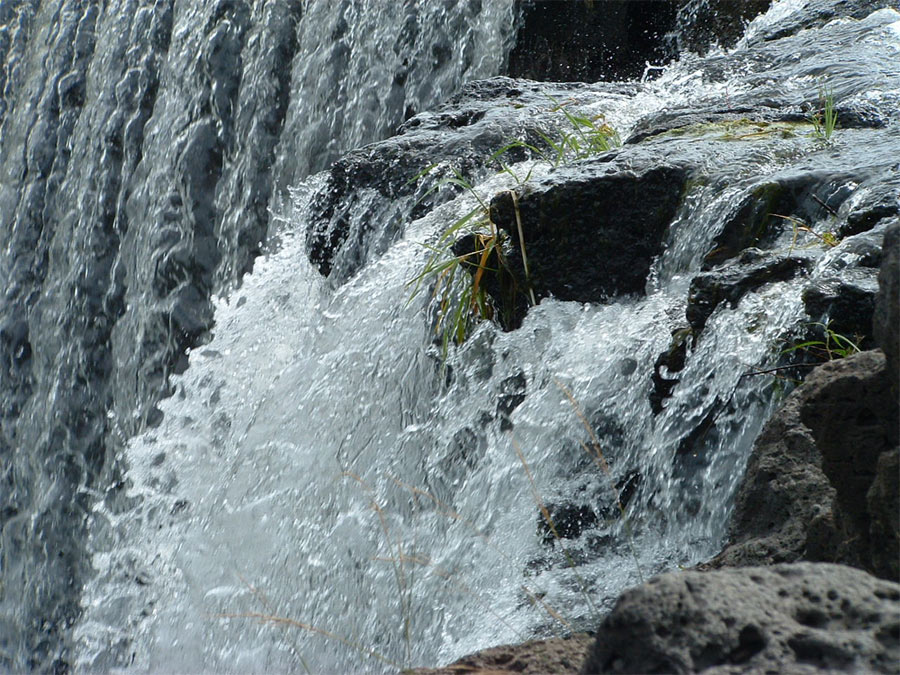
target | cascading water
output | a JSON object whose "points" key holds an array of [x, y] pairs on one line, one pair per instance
{"points": [[321, 491], [324, 493], [141, 144]]}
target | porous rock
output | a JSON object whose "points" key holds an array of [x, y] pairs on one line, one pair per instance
{"points": [[798, 618], [805, 491], [556, 655], [887, 305]]}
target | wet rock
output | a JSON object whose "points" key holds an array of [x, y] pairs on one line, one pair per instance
{"points": [[457, 138], [667, 363], [792, 199], [730, 282], [845, 304], [569, 521], [881, 200], [592, 232], [702, 23], [887, 305], [512, 393], [804, 495], [536, 657], [576, 40], [816, 13], [800, 618]]}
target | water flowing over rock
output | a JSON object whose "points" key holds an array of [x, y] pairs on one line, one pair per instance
{"points": [[229, 426], [140, 147]]}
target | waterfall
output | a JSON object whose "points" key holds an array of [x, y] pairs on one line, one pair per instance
{"points": [[218, 459], [141, 145]]}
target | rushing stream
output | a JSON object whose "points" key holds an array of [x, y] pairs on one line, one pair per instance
{"points": [[322, 490]]}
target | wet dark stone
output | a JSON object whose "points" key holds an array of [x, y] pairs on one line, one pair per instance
{"points": [[463, 133], [569, 521], [730, 282], [512, 393], [817, 13], [593, 233], [846, 304], [886, 316], [788, 200], [673, 361], [701, 23], [588, 41]]}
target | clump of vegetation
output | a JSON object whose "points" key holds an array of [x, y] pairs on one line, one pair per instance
{"points": [[829, 347], [824, 117], [473, 247], [829, 238]]}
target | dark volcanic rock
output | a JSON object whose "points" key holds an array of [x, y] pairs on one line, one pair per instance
{"points": [[577, 40], [735, 279], [816, 13], [845, 303], [887, 306], [537, 657], [592, 233], [800, 618], [701, 23], [456, 139], [805, 491]]}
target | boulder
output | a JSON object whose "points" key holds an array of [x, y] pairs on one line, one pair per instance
{"points": [[588, 41], [702, 23], [845, 303], [556, 655], [805, 494], [798, 618], [593, 230], [752, 269], [886, 322]]}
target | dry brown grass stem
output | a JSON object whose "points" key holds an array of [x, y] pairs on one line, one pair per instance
{"points": [[402, 585], [600, 460], [454, 580], [285, 621], [549, 520], [445, 510]]}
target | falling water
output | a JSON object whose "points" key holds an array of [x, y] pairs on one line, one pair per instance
{"points": [[322, 489]]}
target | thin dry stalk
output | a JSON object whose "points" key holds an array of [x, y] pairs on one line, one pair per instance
{"points": [[283, 620], [259, 595], [515, 201], [445, 510], [549, 520], [601, 462], [453, 579], [402, 586]]}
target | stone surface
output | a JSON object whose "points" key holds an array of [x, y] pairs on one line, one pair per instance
{"points": [[701, 23], [805, 491], [845, 303], [576, 40], [537, 657], [887, 306], [595, 231], [799, 618], [731, 282], [457, 139]]}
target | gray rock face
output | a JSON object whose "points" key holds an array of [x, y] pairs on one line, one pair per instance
{"points": [[822, 453], [800, 618], [887, 304]]}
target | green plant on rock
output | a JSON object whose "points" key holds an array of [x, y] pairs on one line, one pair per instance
{"points": [[828, 238], [824, 117], [472, 247], [831, 346]]}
